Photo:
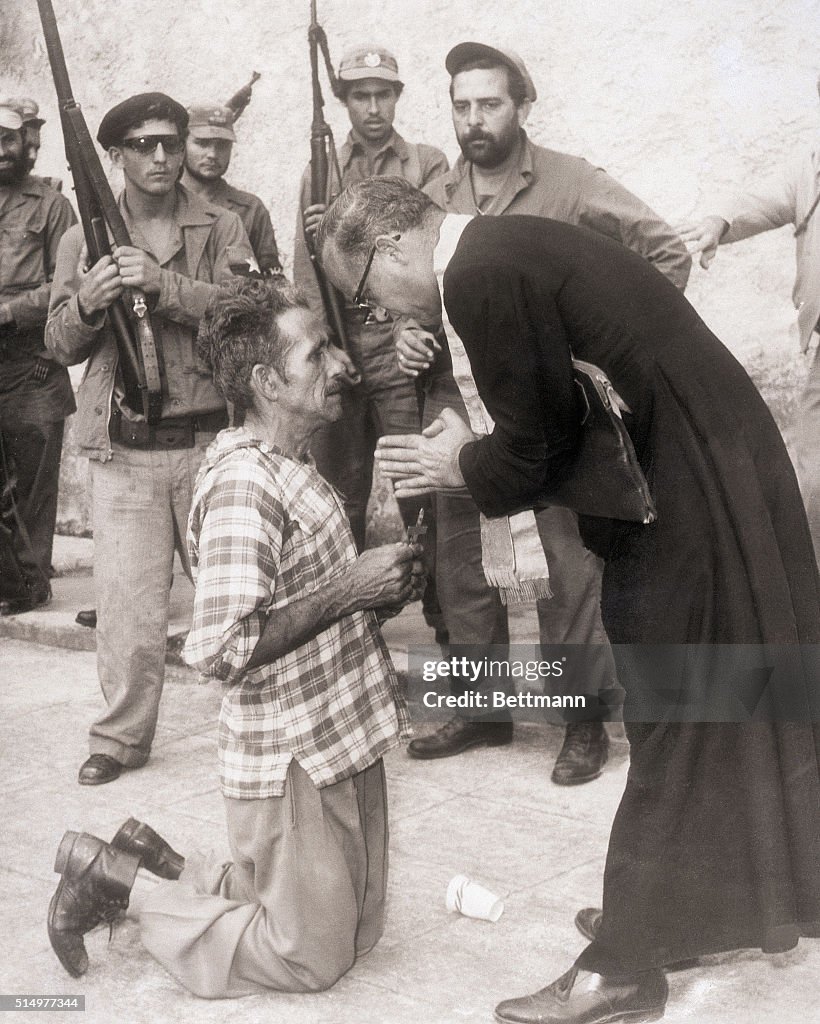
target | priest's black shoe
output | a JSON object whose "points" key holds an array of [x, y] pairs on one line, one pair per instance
{"points": [[95, 886], [583, 755], [588, 922], [99, 769], [579, 997], [460, 734], [156, 855]]}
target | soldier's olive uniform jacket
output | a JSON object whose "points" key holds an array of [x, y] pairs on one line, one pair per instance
{"points": [[208, 239], [33, 220], [256, 219], [413, 161], [570, 189]]}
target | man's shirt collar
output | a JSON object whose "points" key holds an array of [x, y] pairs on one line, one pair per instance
{"points": [[353, 146]]}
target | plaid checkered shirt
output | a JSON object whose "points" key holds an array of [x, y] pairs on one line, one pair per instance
{"points": [[264, 531]]}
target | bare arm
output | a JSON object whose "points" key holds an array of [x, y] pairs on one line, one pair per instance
{"points": [[380, 578]]}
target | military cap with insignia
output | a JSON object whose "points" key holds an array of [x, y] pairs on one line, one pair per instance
{"points": [[211, 121], [369, 62], [145, 106]]}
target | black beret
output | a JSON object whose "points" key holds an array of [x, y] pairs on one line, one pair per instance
{"points": [[135, 110]]}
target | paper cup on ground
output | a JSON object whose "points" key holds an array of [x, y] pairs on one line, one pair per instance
{"points": [[473, 900]]}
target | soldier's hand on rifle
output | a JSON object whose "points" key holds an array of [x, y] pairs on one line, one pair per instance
{"points": [[138, 269], [415, 347], [99, 287], [312, 215]]}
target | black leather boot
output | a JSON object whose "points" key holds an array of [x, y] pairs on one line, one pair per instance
{"points": [[95, 886], [156, 855], [583, 755]]}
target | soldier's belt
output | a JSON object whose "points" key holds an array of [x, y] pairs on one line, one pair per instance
{"points": [[168, 433]]}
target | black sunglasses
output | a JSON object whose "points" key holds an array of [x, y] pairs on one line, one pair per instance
{"points": [[145, 144], [357, 298]]}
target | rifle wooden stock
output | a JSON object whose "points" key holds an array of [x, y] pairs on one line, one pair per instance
{"points": [[130, 368], [136, 346], [321, 148]]}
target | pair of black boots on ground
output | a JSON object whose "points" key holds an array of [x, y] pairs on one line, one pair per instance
{"points": [[581, 759], [96, 881]]}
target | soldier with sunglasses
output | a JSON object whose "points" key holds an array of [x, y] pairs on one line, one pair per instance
{"points": [[142, 474]]}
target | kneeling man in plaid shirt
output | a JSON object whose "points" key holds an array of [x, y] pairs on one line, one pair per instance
{"points": [[287, 616]]}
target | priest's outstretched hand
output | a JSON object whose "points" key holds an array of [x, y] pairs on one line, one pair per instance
{"points": [[420, 463]]}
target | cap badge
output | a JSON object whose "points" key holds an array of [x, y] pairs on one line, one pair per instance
{"points": [[372, 60]]}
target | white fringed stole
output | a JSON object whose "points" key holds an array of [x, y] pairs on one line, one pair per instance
{"points": [[512, 555]]}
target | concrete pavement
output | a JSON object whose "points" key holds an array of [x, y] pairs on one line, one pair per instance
{"points": [[490, 814]]}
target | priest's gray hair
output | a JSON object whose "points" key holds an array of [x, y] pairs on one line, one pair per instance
{"points": [[367, 209]]}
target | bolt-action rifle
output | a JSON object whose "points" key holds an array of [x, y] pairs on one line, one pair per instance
{"points": [[101, 217], [242, 97], [322, 151]]}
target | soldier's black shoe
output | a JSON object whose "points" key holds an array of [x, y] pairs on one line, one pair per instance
{"points": [[156, 855], [583, 755], [579, 997], [87, 617], [99, 769], [95, 885], [460, 734]]}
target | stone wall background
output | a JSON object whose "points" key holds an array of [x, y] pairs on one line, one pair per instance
{"points": [[682, 102]]}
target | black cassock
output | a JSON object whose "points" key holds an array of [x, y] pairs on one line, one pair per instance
{"points": [[716, 842]]}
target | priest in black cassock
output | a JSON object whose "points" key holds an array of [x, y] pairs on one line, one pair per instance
{"points": [[716, 842]]}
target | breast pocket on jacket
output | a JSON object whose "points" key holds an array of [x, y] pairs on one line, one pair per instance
{"points": [[21, 255]]}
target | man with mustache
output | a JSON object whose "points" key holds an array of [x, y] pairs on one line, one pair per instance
{"points": [[502, 172], [208, 150], [286, 617], [35, 391], [142, 474], [383, 401]]}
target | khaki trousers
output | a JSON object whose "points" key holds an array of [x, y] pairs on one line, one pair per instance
{"points": [[141, 501], [303, 897]]}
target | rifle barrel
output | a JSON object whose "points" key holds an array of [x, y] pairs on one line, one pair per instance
{"points": [[56, 57]]}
